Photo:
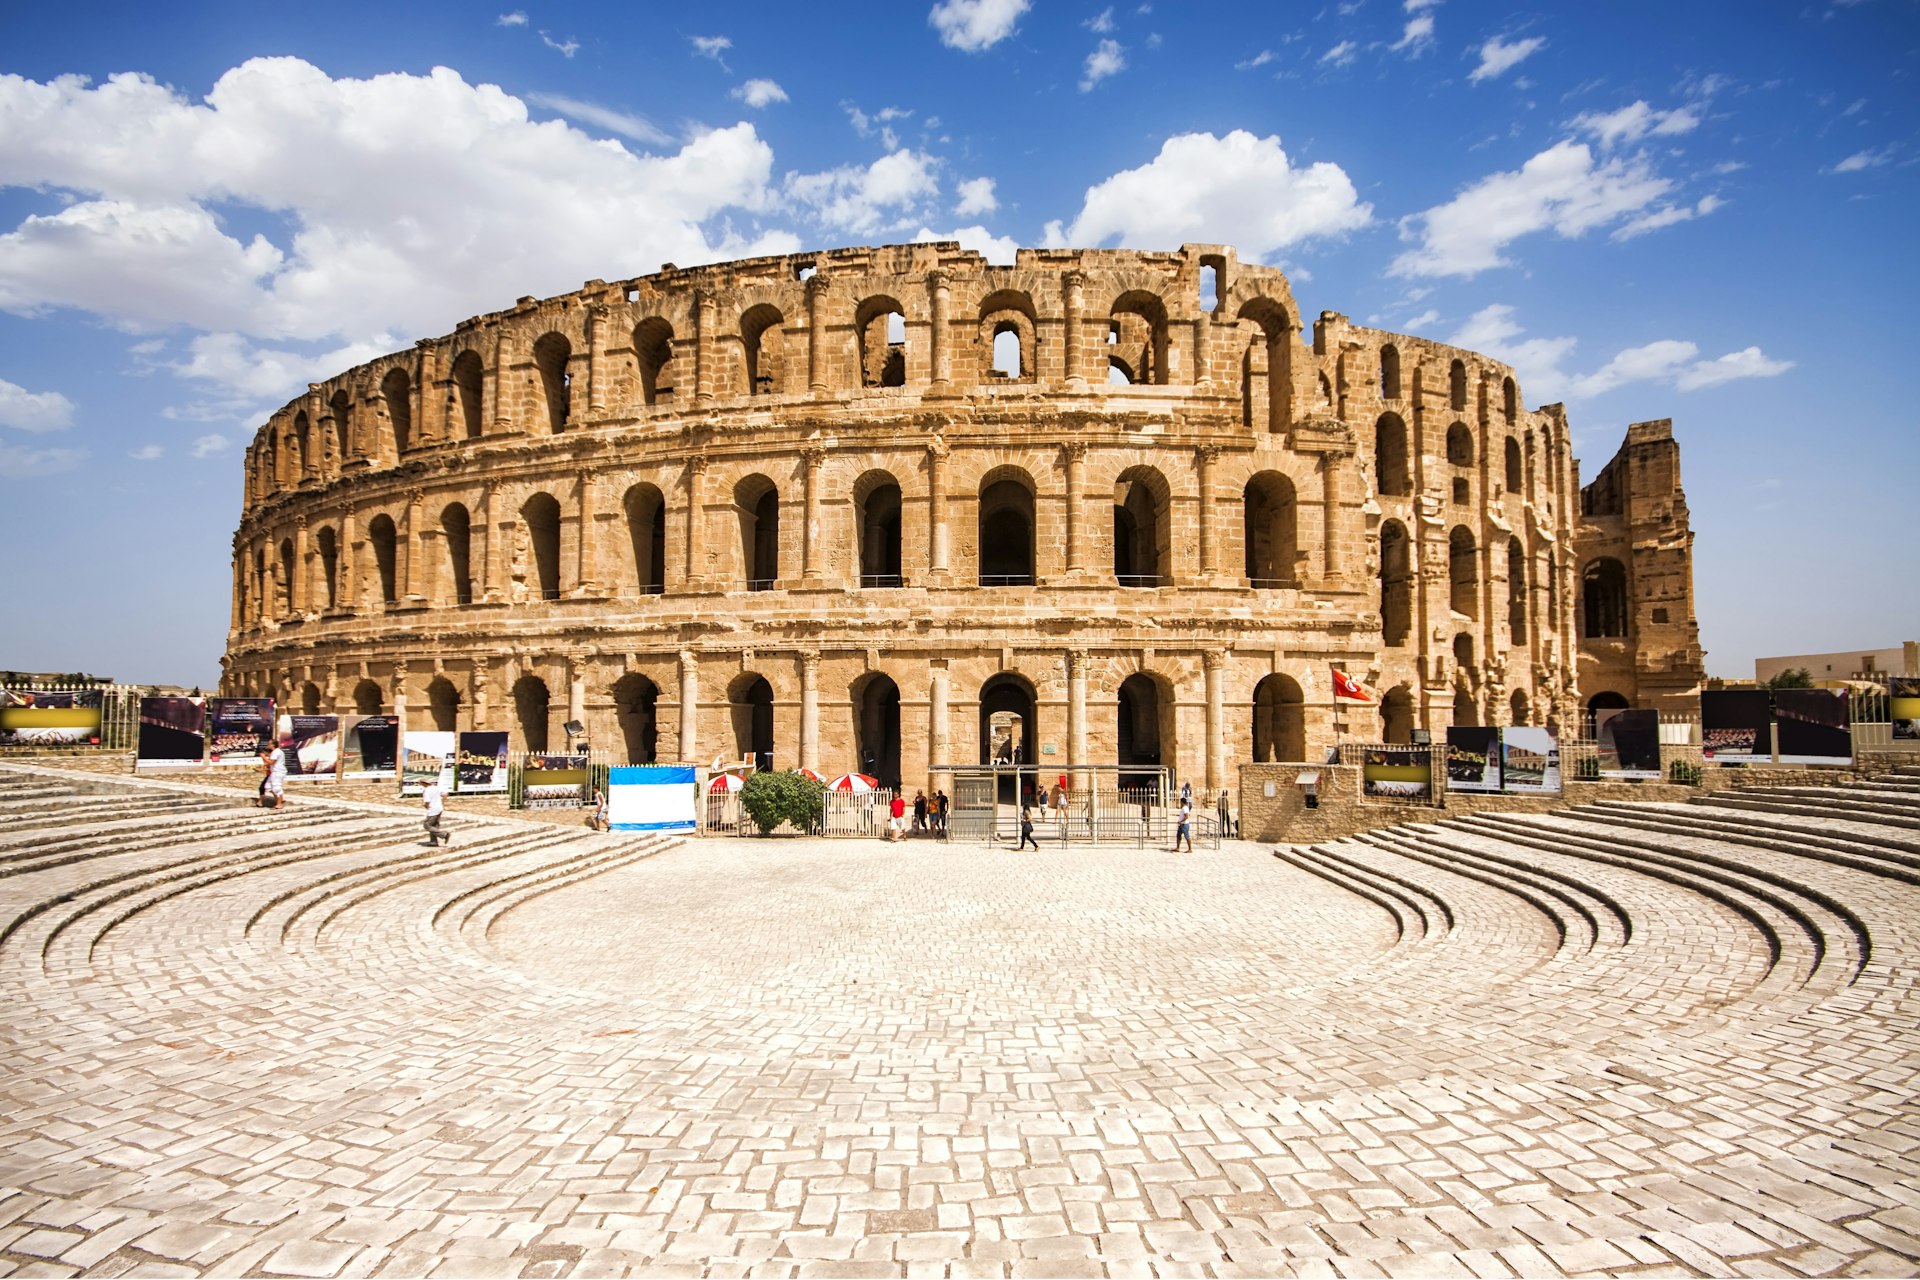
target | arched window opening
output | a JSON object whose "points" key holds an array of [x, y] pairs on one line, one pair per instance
{"points": [[385, 541], [1006, 534], [646, 512], [303, 445], [457, 525], [532, 707], [1141, 531], [541, 515], [757, 503], [1466, 713], [1273, 349], [882, 327], [283, 580], [1509, 399], [1390, 468], [1516, 592], [1459, 445], [1006, 352], [1144, 727], [468, 377], [342, 406], [1211, 270], [1515, 478], [1396, 584], [1009, 726], [1457, 386], [1389, 372], [877, 513], [552, 355], [1279, 720], [876, 728], [1271, 516], [329, 544], [1396, 716], [309, 699], [443, 704], [1463, 572], [653, 350], [366, 698], [1604, 597], [636, 703], [750, 708], [1607, 700], [1119, 373], [1520, 708], [1007, 333], [1139, 335], [762, 337], [396, 389], [1463, 657], [1462, 491]]}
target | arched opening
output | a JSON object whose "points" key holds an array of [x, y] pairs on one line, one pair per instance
{"points": [[1459, 445], [443, 704], [309, 699], [1279, 720], [552, 354], [1210, 284], [1007, 361], [762, 330], [1143, 732], [757, 504], [532, 705], [1457, 386], [397, 390], [1009, 726], [1466, 713], [1271, 516], [328, 543], [1006, 534], [1007, 332], [1509, 399], [384, 540], [653, 352], [1389, 372], [646, 513], [881, 324], [1396, 584], [1142, 546], [366, 698], [1604, 599], [1463, 657], [457, 525], [541, 514], [283, 580], [1516, 592], [1273, 349], [636, 702], [1515, 481], [1520, 709], [750, 708], [1137, 335], [1390, 468], [876, 506], [342, 407], [1463, 572], [876, 728], [1119, 372], [1607, 700], [468, 377], [303, 445], [1396, 716]]}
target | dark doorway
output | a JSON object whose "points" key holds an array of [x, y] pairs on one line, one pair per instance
{"points": [[876, 729]]}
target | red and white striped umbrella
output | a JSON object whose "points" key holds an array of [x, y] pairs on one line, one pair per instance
{"points": [[725, 782], [805, 772], [857, 783]]}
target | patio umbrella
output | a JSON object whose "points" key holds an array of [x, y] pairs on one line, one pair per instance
{"points": [[857, 783], [805, 772], [725, 782]]}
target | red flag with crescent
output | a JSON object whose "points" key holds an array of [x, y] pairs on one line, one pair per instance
{"points": [[1345, 686]]}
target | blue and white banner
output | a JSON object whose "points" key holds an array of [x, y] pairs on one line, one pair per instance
{"points": [[651, 798]]}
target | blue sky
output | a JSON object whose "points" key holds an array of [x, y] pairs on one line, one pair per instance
{"points": [[1699, 211]]}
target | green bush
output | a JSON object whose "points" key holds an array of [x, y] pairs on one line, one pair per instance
{"points": [[1684, 772], [1587, 769], [773, 798]]}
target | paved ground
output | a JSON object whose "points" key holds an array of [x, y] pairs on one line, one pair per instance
{"points": [[296, 1045]]}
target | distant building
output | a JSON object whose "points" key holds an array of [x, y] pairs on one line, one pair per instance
{"points": [[1848, 664]]}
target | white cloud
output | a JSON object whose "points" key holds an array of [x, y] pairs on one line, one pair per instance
{"points": [[880, 121], [882, 196], [252, 373], [711, 47], [1860, 160], [1259, 59], [973, 25], [976, 196], [1747, 363], [1666, 216], [1497, 57], [624, 123], [18, 462], [1340, 55], [211, 443], [1421, 321], [1107, 60], [1560, 189], [25, 410], [517, 18], [1101, 23], [1635, 121], [1417, 35], [565, 48], [760, 93], [1538, 361], [998, 250], [1238, 190], [146, 453]]}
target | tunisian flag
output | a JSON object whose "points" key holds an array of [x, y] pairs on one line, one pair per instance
{"points": [[1345, 686]]}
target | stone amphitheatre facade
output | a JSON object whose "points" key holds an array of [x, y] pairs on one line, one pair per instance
{"points": [[840, 508]]}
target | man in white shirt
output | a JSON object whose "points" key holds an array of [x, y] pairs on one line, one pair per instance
{"points": [[273, 791], [436, 807]]}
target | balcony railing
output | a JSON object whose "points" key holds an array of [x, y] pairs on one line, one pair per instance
{"points": [[761, 584], [881, 580], [1006, 579], [1139, 579]]}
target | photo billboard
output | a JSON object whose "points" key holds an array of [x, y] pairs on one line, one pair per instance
{"points": [[1904, 706], [1736, 725], [370, 747], [651, 798], [172, 733], [1402, 773], [426, 756], [1629, 743], [312, 747], [482, 764], [1813, 725], [238, 729], [553, 782], [1473, 758], [1529, 761], [50, 717]]}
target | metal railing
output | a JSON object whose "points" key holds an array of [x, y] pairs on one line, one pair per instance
{"points": [[881, 580], [1005, 579], [761, 584], [1140, 579]]}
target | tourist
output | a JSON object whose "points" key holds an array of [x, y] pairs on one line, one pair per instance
{"points": [[273, 787], [436, 807], [1026, 832], [1184, 831], [1060, 806], [940, 803], [600, 821], [919, 811], [897, 818], [1226, 815]]}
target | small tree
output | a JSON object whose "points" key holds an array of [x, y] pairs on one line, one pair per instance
{"points": [[1792, 678], [773, 798]]}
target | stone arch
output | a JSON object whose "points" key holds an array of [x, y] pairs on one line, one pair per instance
{"points": [[1392, 474], [1509, 399], [327, 544], [1137, 335], [1389, 372], [303, 444], [342, 406], [552, 355], [309, 699], [1520, 708], [874, 700], [1270, 514], [456, 524], [1514, 480], [653, 354], [1279, 720], [443, 704], [645, 508], [1396, 716], [533, 712], [876, 518], [1603, 599], [1606, 700], [1008, 336], [636, 702], [1459, 445], [1463, 572], [1463, 657], [750, 714], [384, 540], [1006, 528], [1012, 694], [1142, 528], [1144, 724], [1396, 584], [880, 325], [1276, 330], [367, 698], [396, 389], [469, 376], [540, 513], [763, 349], [756, 504], [1516, 591], [1457, 386], [284, 570]]}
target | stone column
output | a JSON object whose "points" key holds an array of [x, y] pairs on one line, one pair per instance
{"points": [[1075, 309], [937, 536], [689, 707], [1216, 662], [1209, 456], [696, 519], [817, 331], [584, 584], [400, 706], [1077, 663], [577, 687], [703, 353], [810, 710], [300, 590], [811, 457], [345, 596], [501, 380], [941, 344], [433, 393], [1330, 477], [596, 363], [416, 536], [1076, 452], [938, 749]]}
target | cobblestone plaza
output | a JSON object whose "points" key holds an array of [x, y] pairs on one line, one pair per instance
{"points": [[296, 1044]]}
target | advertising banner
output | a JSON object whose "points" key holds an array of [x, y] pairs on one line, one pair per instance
{"points": [[482, 764], [312, 747], [50, 717], [1905, 707], [553, 782], [370, 747], [426, 756], [1736, 725], [1629, 742], [651, 798], [1402, 773], [1813, 726], [1529, 761], [238, 729], [1473, 758], [172, 733]]}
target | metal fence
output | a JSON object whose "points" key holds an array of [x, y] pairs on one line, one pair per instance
{"points": [[119, 711]]}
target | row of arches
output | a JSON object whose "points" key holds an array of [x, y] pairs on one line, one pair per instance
{"points": [[1457, 385], [1392, 460]]}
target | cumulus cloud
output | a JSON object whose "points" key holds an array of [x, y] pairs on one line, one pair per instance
{"points": [[208, 445], [26, 410], [146, 453], [1340, 55], [517, 18], [1539, 361], [20, 462], [998, 250], [973, 25], [884, 195], [1749, 362], [1860, 160], [1417, 36], [760, 93], [1239, 190], [711, 47], [1259, 59], [1107, 60], [1635, 121], [1497, 57], [976, 196], [1560, 190], [624, 123]]}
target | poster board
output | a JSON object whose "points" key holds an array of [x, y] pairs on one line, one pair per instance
{"points": [[1813, 725], [172, 733], [481, 765], [652, 798], [238, 729], [553, 782], [1904, 707], [1473, 758], [312, 747], [369, 748], [1629, 743], [426, 756], [50, 717], [1529, 761], [1400, 773], [1736, 726]]}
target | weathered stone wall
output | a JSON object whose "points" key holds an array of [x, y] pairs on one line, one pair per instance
{"points": [[631, 504]]}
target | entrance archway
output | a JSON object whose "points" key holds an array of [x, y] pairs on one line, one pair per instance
{"points": [[635, 701], [1279, 720], [876, 728], [750, 703], [1141, 736], [1009, 726]]}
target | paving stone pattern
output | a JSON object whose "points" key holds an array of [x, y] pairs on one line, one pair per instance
{"points": [[1622, 1039]]}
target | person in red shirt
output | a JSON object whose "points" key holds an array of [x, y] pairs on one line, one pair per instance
{"points": [[897, 822]]}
